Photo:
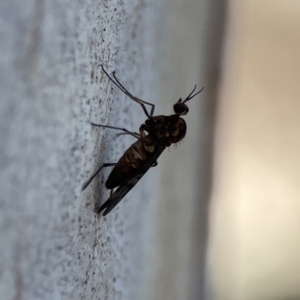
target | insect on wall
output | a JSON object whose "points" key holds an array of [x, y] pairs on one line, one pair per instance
{"points": [[154, 136]]}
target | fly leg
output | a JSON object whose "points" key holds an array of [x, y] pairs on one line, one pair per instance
{"points": [[116, 82], [96, 173], [134, 134]]}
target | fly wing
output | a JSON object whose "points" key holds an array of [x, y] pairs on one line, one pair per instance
{"points": [[120, 193], [122, 190]]}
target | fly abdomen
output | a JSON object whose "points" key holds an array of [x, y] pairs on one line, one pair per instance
{"points": [[131, 160]]}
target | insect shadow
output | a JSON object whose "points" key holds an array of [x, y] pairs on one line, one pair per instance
{"points": [[155, 135]]}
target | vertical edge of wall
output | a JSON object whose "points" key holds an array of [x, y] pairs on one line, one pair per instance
{"points": [[194, 46]]}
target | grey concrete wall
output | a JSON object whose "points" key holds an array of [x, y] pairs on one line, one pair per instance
{"points": [[194, 46], [52, 244]]}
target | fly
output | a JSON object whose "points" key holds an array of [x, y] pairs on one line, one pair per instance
{"points": [[155, 135]]}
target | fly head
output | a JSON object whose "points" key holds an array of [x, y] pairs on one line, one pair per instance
{"points": [[180, 108]]}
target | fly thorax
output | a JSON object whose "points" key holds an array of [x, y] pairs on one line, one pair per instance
{"points": [[161, 130]]}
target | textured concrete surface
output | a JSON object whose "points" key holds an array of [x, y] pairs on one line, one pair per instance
{"points": [[52, 244]]}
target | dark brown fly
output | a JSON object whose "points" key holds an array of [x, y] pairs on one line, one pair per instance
{"points": [[157, 133]]}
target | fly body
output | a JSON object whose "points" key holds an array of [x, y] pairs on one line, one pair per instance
{"points": [[155, 135], [130, 161]]}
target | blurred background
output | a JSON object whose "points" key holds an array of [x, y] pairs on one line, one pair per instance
{"points": [[218, 218], [254, 238]]}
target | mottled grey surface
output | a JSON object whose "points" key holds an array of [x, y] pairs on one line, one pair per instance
{"points": [[52, 244]]}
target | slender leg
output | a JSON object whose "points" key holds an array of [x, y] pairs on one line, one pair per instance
{"points": [[96, 173], [134, 134], [126, 92], [105, 166]]}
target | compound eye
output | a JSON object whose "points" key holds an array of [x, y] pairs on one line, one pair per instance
{"points": [[178, 131], [180, 108]]}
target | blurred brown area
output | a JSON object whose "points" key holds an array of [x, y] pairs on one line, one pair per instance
{"points": [[255, 210]]}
